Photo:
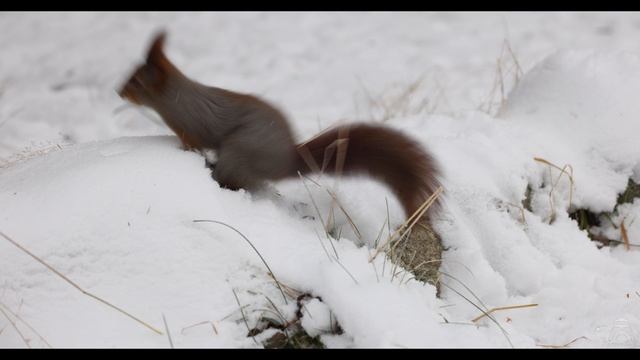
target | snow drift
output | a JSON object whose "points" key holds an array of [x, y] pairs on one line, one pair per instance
{"points": [[117, 217]]}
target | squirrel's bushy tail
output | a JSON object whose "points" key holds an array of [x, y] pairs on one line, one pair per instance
{"points": [[380, 152]]}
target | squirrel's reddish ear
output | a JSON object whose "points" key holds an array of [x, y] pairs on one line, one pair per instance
{"points": [[156, 54]]}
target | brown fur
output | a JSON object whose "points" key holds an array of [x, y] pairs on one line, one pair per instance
{"points": [[254, 141], [383, 153]]}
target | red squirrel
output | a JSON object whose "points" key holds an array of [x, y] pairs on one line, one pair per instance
{"points": [[254, 142]]}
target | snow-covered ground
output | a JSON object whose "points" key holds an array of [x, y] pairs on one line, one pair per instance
{"points": [[99, 192]]}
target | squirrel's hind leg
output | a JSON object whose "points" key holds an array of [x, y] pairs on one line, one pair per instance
{"points": [[233, 169]]}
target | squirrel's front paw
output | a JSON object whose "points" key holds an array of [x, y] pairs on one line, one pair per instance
{"points": [[210, 156]]}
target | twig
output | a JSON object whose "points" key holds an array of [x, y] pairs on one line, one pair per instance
{"points": [[78, 287]]}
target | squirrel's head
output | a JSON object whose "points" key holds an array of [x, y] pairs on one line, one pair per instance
{"points": [[149, 78]]}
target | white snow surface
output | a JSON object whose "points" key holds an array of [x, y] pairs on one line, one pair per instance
{"points": [[108, 198]]}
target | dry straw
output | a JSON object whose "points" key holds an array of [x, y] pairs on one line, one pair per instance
{"points": [[78, 287]]}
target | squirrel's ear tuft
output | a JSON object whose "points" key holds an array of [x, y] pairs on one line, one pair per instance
{"points": [[156, 53]]}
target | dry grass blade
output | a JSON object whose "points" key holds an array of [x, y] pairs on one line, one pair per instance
{"points": [[273, 305], [565, 345], [233, 312], [487, 313], [215, 330], [78, 287], [562, 170], [244, 318], [322, 244], [339, 147], [342, 145], [264, 311], [570, 175], [293, 293], [26, 324], [13, 324], [306, 155], [313, 201], [504, 332], [166, 328], [625, 237], [315, 206], [372, 101], [604, 239], [501, 78], [393, 104], [344, 211], [468, 289], [421, 264], [489, 100], [394, 253], [379, 236], [519, 71], [460, 323], [400, 105], [375, 271], [254, 248], [417, 215], [348, 272]]}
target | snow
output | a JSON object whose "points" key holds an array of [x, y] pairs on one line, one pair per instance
{"points": [[104, 196]]}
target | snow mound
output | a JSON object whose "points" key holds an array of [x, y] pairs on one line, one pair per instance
{"points": [[583, 107], [117, 217]]}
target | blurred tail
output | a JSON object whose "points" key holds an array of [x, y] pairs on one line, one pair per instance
{"points": [[383, 153]]}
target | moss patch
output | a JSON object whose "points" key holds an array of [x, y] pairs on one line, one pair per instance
{"points": [[298, 340], [420, 252]]}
